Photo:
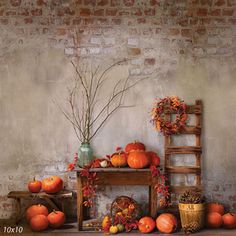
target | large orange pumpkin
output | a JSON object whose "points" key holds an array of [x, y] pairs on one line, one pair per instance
{"points": [[155, 159], [39, 223], [166, 223], [134, 146], [215, 207], [146, 224], [214, 220], [56, 219], [36, 210], [52, 184], [138, 159], [229, 220], [35, 186], [119, 159]]}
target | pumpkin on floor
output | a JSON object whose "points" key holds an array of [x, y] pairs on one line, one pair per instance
{"points": [[166, 223], [36, 210], [214, 220], [56, 219], [35, 186], [215, 207], [229, 221], [52, 184], [134, 146], [39, 223], [146, 224], [138, 159]]}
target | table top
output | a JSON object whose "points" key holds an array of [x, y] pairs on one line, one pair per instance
{"points": [[112, 169]]}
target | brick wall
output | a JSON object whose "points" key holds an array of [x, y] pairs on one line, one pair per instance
{"points": [[155, 34]]}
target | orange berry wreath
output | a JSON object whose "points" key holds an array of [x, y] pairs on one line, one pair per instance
{"points": [[169, 104]]}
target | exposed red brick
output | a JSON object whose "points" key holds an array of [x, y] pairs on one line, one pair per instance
{"points": [[155, 2], [102, 2], [10, 13], [102, 21], [23, 12], [149, 61], [61, 31], [206, 2], [85, 12], [150, 12], [141, 20], [193, 21], [15, 3], [41, 2], [205, 21], [124, 12], [115, 3], [228, 12], [69, 11], [183, 22], [89, 2], [174, 31], [186, 33], [220, 3], [1, 12], [215, 12], [111, 12], [28, 20], [99, 12], [195, 1], [136, 12], [116, 21], [76, 21], [60, 12], [231, 3], [232, 198], [66, 21], [134, 51], [4, 21], [36, 12], [201, 30], [202, 12], [88, 21], [128, 3], [232, 21], [219, 20]]}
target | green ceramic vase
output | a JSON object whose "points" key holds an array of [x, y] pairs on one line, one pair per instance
{"points": [[85, 154]]}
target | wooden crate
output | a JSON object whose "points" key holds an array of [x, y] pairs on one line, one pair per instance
{"points": [[170, 149]]}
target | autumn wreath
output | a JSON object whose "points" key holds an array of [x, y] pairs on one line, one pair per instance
{"points": [[169, 104]]}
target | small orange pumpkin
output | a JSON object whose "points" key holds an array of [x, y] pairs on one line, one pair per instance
{"points": [[229, 220], [155, 159], [146, 224], [119, 159], [166, 223], [134, 146], [56, 219], [39, 223], [214, 220], [138, 159], [36, 210], [215, 207]]}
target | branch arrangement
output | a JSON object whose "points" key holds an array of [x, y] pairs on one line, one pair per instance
{"points": [[83, 98]]}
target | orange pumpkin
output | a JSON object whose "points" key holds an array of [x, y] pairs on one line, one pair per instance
{"points": [[166, 223], [56, 219], [229, 220], [215, 207], [146, 224], [39, 223], [52, 184], [36, 210], [214, 220], [119, 159], [138, 159], [155, 159], [134, 146], [34, 186]]}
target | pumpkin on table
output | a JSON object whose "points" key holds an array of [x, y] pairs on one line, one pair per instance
{"points": [[119, 159], [155, 159], [34, 186], [56, 219], [146, 224], [36, 210], [134, 146], [52, 184], [39, 223], [138, 159], [166, 223]]}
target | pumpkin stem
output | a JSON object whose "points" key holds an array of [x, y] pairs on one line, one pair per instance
{"points": [[54, 210], [34, 178]]}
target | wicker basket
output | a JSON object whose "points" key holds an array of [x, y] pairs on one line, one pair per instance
{"points": [[122, 203], [192, 213]]}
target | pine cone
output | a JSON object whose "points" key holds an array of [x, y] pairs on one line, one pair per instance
{"points": [[192, 227], [191, 197]]}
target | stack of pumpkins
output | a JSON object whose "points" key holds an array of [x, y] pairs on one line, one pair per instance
{"points": [[216, 217], [135, 156], [37, 215]]}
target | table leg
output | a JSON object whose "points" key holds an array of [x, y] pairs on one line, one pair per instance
{"points": [[152, 201], [18, 210], [79, 203]]}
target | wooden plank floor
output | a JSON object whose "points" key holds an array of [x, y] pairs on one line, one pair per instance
{"points": [[71, 230]]}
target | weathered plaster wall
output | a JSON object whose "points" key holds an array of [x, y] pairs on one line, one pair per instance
{"points": [[185, 48]]}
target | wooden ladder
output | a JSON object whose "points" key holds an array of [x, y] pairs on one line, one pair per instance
{"points": [[196, 150]]}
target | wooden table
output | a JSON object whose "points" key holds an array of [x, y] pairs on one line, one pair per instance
{"points": [[49, 198], [118, 176]]}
